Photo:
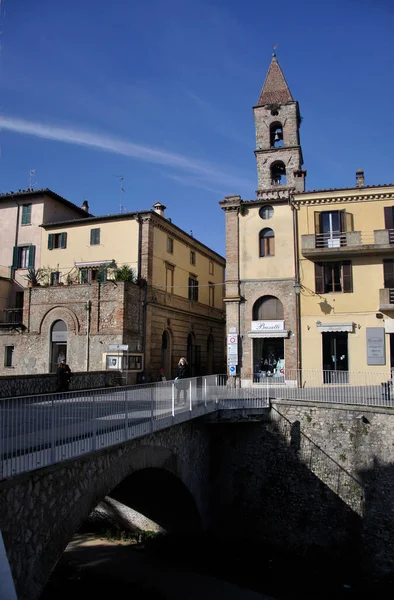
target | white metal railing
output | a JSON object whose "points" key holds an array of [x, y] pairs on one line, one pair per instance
{"points": [[36, 431], [337, 239], [343, 387]]}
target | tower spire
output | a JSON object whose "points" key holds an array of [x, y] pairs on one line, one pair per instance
{"points": [[275, 89]]}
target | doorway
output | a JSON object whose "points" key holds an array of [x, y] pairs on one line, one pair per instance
{"points": [[335, 357], [166, 354], [58, 344], [268, 357]]}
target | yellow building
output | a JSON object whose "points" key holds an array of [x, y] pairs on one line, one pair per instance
{"points": [[346, 276]]}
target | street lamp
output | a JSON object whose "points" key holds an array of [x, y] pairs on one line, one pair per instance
{"points": [[297, 287]]}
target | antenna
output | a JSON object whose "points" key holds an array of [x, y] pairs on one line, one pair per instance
{"points": [[32, 184], [122, 191], [274, 49]]}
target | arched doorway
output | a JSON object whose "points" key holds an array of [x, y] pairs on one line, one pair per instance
{"points": [[210, 355], [58, 344], [269, 338], [166, 353]]}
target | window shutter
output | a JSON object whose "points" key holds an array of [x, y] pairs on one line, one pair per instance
{"points": [[319, 277], [347, 276], [317, 223], [349, 221], [63, 240], [50, 241], [342, 218], [388, 217], [388, 271], [15, 256], [32, 256]]}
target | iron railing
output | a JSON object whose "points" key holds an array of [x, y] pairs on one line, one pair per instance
{"points": [[36, 431], [11, 315]]}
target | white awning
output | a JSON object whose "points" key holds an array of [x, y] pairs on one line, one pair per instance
{"points": [[327, 327], [92, 264], [268, 334]]}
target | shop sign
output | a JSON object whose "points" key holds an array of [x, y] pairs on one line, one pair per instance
{"points": [[376, 354], [120, 347], [268, 325]]}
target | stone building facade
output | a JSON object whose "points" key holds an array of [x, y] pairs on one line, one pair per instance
{"points": [[83, 312], [262, 308]]}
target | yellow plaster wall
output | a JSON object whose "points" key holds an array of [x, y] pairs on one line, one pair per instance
{"points": [[183, 268], [280, 266], [118, 240]]}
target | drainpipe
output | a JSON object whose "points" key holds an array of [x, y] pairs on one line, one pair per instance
{"points": [[88, 316], [297, 289]]}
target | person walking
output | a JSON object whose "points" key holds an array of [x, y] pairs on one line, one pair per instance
{"points": [[63, 376], [183, 372]]}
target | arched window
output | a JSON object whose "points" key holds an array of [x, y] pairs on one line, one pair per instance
{"points": [[267, 242], [268, 308], [278, 173], [58, 344], [276, 135]]}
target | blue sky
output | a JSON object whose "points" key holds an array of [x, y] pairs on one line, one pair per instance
{"points": [[162, 93]]}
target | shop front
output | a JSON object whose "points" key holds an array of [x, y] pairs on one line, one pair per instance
{"points": [[268, 349]]}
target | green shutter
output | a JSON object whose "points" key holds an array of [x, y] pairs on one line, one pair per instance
{"points": [[63, 240], [15, 257], [32, 255], [84, 276], [50, 241], [26, 214]]}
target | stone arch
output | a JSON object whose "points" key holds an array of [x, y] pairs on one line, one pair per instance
{"points": [[59, 313], [268, 308], [278, 173]]}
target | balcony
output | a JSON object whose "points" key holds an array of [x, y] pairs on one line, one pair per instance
{"points": [[11, 318], [345, 244], [386, 299]]}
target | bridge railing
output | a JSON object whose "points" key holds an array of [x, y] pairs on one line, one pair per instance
{"points": [[36, 431]]}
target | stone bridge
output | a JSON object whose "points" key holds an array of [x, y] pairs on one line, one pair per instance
{"points": [[309, 477]]}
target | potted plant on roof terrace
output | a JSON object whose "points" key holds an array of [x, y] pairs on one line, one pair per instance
{"points": [[33, 276]]}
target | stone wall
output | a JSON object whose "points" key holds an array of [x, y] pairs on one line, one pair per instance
{"points": [[309, 479], [26, 385]]}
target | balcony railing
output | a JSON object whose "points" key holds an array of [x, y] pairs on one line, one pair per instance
{"points": [[347, 242], [11, 316]]}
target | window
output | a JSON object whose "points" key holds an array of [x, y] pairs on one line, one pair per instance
{"points": [[278, 173], [266, 212], [93, 275], [57, 240], [211, 268], [331, 227], [192, 257], [267, 242], [26, 214], [23, 257], [169, 279], [333, 277], [276, 135], [211, 294], [9, 356], [388, 272], [95, 237], [193, 288], [389, 222], [170, 245], [55, 277], [268, 308]]}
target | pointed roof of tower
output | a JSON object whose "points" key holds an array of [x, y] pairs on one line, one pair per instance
{"points": [[275, 89]]}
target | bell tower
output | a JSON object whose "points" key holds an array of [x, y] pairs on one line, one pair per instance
{"points": [[277, 122]]}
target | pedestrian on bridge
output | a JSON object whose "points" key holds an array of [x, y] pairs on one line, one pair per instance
{"points": [[63, 377], [183, 372]]}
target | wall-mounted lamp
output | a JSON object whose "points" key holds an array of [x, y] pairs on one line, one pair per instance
{"points": [[359, 326], [297, 287], [318, 323], [308, 327], [379, 316]]}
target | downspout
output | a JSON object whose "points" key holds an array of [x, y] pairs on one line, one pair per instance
{"points": [[297, 289], [88, 317]]}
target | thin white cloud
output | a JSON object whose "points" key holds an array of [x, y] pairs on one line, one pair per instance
{"points": [[110, 144]]}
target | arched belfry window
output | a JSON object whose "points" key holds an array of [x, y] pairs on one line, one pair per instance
{"points": [[267, 242], [268, 308], [278, 173], [276, 135]]}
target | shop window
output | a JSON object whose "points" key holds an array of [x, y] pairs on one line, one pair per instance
{"points": [[333, 277], [57, 240], [26, 214]]}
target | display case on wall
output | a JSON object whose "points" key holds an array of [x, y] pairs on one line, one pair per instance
{"points": [[123, 361]]}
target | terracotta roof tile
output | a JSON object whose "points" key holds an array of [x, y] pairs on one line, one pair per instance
{"points": [[275, 89]]}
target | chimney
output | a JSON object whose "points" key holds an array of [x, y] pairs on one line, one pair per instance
{"points": [[159, 208], [360, 178], [85, 206]]}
